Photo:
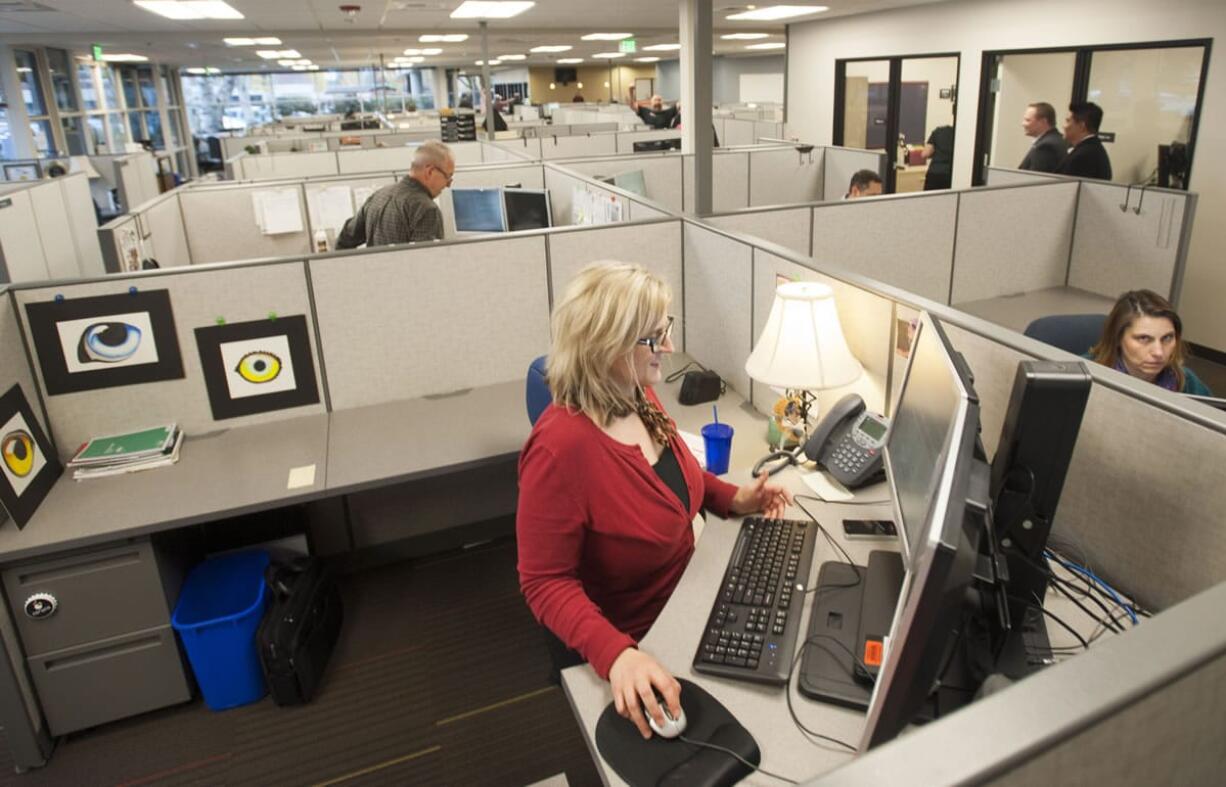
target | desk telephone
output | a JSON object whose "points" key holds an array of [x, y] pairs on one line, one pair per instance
{"points": [[848, 443]]}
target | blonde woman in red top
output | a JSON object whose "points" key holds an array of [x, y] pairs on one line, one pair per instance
{"points": [[607, 490]]}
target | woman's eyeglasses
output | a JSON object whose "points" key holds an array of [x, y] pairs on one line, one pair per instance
{"points": [[656, 341]]}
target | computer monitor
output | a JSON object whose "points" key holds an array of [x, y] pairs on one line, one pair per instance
{"points": [[631, 181], [527, 209], [478, 210]]}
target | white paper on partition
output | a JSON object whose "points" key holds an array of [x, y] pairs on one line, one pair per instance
{"points": [[278, 211], [331, 207], [360, 195]]}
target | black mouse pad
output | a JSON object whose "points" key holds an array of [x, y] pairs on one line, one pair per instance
{"points": [[659, 761]]}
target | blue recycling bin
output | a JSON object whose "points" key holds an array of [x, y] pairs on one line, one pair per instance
{"points": [[217, 616]]}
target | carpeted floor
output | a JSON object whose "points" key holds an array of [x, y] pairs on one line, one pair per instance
{"points": [[440, 677]]}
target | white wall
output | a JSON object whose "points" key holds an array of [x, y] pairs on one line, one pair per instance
{"points": [[1026, 79], [726, 75], [972, 26]]}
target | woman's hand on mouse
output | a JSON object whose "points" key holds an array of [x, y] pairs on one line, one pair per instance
{"points": [[632, 678]]}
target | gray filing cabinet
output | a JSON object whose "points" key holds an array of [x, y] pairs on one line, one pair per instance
{"points": [[95, 628]]}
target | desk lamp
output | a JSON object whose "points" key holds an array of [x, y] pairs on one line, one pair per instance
{"points": [[802, 350]]}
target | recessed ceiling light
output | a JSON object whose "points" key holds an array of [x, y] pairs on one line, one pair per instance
{"points": [[124, 58], [569, 60], [491, 9], [662, 48], [432, 50], [269, 41], [492, 62], [771, 45], [279, 54], [512, 57], [442, 38], [646, 59], [745, 36], [189, 9], [605, 36], [412, 52], [552, 48], [775, 12], [198, 70], [287, 63], [609, 55]]}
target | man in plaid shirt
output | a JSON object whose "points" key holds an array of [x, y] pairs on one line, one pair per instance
{"points": [[404, 212]]}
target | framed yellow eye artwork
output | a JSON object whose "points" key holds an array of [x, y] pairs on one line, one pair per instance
{"points": [[28, 463], [257, 367]]}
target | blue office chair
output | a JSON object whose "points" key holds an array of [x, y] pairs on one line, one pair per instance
{"points": [[1075, 333], [536, 392]]}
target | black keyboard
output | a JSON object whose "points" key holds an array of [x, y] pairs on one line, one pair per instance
{"points": [[754, 624]]}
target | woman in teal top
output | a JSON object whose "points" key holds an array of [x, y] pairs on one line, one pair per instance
{"points": [[1143, 337]]}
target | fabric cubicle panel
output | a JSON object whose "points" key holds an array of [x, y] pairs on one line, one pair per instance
{"points": [[221, 225], [431, 319], [656, 247], [82, 223], [110, 236], [641, 211], [364, 160], [137, 179], [199, 298], [561, 200], [465, 152], [784, 176], [493, 153], [661, 175], [729, 180], [271, 166], [604, 144], [164, 236], [1002, 176], [14, 363], [719, 302], [906, 242], [23, 250], [767, 128], [54, 230], [865, 317], [737, 132], [839, 164], [527, 148], [1116, 249], [787, 227], [1012, 240]]}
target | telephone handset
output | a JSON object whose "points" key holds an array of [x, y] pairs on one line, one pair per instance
{"points": [[848, 443]]}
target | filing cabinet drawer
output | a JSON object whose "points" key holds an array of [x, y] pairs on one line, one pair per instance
{"points": [[103, 681], [98, 594]]}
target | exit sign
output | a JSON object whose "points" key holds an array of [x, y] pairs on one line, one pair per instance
{"points": [[627, 45], [97, 52]]}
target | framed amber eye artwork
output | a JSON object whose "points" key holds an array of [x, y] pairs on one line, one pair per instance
{"points": [[257, 367], [28, 464]]}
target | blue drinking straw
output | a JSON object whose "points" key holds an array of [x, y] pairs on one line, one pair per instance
{"points": [[715, 413]]}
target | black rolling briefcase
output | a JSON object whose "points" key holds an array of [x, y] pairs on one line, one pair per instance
{"points": [[299, 629]]}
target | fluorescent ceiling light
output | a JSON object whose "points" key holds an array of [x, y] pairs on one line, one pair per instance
{"points": [[279, 54], [446, 38], [570, 60], [772, 45], [745, 36], [646, 59], [774, 12], [189, 9], [198, 70], [269, 41], [491, 9], [287, 62], [492, 62], [662, 48], [306, 61], [605, 36], [416, 59], [552, 48], [609, 55], [124, 58], [433, 50], [512, 57]]}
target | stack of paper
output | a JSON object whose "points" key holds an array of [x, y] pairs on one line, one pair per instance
{"points": [[126, 453]]}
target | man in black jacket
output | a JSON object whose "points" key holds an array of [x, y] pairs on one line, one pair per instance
{"points": [[1088, 158], [1049, 147]]}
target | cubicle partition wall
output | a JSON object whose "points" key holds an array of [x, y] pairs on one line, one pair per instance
{"points": [[842, 163], [734, 131], [48, 230], [352, 160]]}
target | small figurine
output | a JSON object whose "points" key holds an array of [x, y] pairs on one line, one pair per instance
{"points": [[786, 428]]}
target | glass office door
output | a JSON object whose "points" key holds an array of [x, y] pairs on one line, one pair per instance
{"points": [[928, 102]]}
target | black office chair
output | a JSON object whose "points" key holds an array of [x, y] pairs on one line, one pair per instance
{"points": [[536, 391], [1075, 333]]}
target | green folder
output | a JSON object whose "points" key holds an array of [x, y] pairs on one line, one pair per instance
{"points": [[125, 446]]}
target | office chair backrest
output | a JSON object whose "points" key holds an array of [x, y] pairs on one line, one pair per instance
{"points": [[1075, 333], [536, 392]]}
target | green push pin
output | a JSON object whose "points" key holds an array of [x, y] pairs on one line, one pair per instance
{"points": [[221, 320], [272, 315]]}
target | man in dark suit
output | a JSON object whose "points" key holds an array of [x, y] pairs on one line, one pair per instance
{"points": [[1088, 158], [1048, 150]]}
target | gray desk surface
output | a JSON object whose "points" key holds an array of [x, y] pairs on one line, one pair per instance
{"points": [[674, 637], [1017, 311], [219, 474]]}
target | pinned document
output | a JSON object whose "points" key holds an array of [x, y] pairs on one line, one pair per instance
{"points": [[330, 207], [277, 211]]}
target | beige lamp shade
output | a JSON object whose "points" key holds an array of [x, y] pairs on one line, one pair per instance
{"points": [[802, 345]]}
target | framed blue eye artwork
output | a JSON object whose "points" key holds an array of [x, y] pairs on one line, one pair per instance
{"points": [[104, 341], [28, 464], [257, 367]]}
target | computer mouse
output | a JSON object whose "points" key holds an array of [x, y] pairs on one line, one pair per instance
{"points": [[672, 727]]}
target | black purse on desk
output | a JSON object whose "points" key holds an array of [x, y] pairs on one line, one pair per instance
{"points": [[299, 629]]}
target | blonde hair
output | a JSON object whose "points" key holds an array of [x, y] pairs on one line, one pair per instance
{"points": [[607, 308]]}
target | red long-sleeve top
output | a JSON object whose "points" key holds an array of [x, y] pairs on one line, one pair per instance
{"points": [[602, 539]]}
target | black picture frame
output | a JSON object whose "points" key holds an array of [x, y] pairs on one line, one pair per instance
{"points": [[59, 379], [209, 341], [21, 507]]}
